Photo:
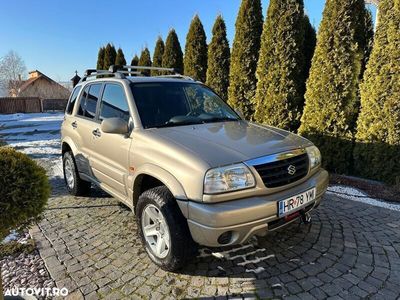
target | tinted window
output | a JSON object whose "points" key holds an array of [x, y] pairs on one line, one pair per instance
{"points": [[91, 101], [82, 103], [72, 100], [88, 101], [113, 103]]}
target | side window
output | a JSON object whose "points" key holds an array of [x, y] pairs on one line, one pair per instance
{"points": [[72, 100], [114, 103], [88, 103], [91, 101], [82, 102]]}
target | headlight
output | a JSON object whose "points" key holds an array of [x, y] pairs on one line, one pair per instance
{"points": [[314, 156], [227, 179]]}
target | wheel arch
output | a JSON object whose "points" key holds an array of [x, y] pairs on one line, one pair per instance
{"points": [[150, 176]]}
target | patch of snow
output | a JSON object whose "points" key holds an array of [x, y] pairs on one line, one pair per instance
{"points": [[359, 196], [13, 236], [255, 271]]}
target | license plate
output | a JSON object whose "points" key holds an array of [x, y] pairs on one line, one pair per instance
{"points": [[295, 202]]}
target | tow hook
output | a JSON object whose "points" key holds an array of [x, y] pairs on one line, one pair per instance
{"points": [[306, 218]]}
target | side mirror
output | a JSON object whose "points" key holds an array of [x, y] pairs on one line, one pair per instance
{"points": [[239, 112], [114, 125]]}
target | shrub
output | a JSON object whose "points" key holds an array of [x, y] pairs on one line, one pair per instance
{"points": [[24, 190], [246, 45], [377, 148]]}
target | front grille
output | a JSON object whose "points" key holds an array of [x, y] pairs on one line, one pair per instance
{"points": [[276, 174]]}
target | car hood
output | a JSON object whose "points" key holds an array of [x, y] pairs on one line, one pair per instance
{"points": [[226, 143]]}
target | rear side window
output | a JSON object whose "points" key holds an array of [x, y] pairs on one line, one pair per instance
{"points": [[72, 100], [89, 100], [113, 103]]}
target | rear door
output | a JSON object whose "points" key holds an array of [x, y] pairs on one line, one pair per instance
{"points": [[110, 158], [85, 125]]}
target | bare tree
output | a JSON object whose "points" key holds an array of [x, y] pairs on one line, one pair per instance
{"points": [[12, 71]]}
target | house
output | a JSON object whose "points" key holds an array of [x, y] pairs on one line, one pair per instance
{"points": [[41, 86]]}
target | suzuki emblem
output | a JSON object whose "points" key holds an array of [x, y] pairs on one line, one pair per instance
{"points": [[291, 170]]}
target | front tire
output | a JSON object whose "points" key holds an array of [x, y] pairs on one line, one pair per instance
{"points": [[163, 229], [75, 185]]}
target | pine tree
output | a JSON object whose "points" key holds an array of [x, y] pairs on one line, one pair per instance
{"points": [[109, 56], [135, 60], [281, 66], [145, 60], [195, 60], [377, 149], [219, 60], [157, 56], [332, 88], [173, 56], [120, 58], [246, 45], [100, 58]]}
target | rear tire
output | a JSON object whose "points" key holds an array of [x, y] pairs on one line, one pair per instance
{"points": [[157, 206], [75, 185]]}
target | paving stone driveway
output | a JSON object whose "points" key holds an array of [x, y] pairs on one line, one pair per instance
{"points": [[351, 250]]}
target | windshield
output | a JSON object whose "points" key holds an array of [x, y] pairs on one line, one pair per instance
{"points": [[163, 104]]}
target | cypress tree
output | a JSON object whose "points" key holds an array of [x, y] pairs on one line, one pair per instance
{"points": [[377, 149], [310, 40], [173, 56], [145, 60], [281, 66], [369, 39], [109, 56], [195, 60], [246, 45], [332, 88], [157, 56], [219, 59], [120, 58], [135, 60], [100, 59]]}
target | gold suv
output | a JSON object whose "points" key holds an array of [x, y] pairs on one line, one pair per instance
{"points": [[190, 167]]}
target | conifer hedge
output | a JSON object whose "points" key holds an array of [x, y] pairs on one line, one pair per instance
{"points": [[157, 55], [100, 59], [332, 100], [145, 60], [120, 58], [195, 60], [219, 60], [377, 148], [173, 56], [245, 49], [281, 66], [135, 60], [110, 55]]}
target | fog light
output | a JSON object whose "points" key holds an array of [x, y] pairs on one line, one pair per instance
{"points": [[225, 238]]}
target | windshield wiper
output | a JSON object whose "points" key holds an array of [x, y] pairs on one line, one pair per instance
{"points": [[220, 119], [172, 124]]}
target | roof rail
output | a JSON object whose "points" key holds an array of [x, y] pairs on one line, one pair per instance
{"points": [[94, 72], [178, 76], [130, 69]]}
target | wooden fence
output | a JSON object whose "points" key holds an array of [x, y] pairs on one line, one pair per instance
{"points": [[12, 105]]}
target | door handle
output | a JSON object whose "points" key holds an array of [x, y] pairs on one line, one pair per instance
{"points": [[96, 132], [74, 125]]}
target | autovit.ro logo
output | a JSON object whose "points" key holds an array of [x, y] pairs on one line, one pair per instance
{"points": [[37, 292]]}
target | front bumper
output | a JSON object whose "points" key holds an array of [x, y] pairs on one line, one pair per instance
{"points": [[246, 217]]}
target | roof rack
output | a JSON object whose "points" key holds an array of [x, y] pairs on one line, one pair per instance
{"points": [[120, 72]]}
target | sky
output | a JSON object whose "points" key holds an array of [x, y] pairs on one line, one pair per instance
{"points": [[59, 37]]}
